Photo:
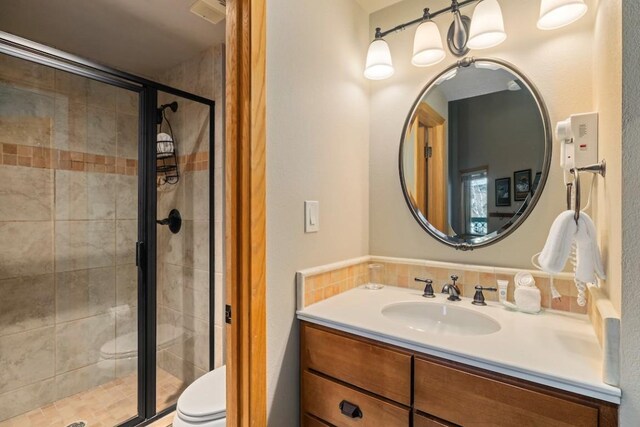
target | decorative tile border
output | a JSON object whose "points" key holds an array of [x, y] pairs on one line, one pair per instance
{"points": [[194, 162], [319, 283], [51, 158]]}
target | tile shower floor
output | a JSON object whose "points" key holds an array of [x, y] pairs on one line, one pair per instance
{"points": [[105, 406]]}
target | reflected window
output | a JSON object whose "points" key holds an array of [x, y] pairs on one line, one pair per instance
{"points": [[474, 199]]}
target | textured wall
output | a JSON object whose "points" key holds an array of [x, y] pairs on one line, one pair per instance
{"points": [[607, 67], [559, 64], [317, 149], [630, 329]]}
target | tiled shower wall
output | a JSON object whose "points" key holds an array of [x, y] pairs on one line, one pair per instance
{"points": [[68, 209], [183, 258]]}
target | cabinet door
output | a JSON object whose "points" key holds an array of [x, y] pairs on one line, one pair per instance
{"points": [[464, 398]]}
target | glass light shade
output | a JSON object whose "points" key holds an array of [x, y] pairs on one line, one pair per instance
{"points": [[487, 26], [427, 45], [558, 13], [379, 65]]}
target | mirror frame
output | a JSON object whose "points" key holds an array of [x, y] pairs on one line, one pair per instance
{"points": [[498, 235]]}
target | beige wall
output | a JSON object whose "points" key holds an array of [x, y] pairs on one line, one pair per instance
{"points": [[183, 258], [607, 67], [630, 291], [558, 62], [317, 149]]}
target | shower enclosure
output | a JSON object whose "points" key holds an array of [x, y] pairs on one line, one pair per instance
{"points": [[106, 314]]}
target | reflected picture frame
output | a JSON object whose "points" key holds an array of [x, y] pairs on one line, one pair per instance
{"points": [[503, 191], [536, 182], [521, 185]]}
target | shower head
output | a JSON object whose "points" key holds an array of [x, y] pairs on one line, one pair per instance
{"points": [[173, 106]]}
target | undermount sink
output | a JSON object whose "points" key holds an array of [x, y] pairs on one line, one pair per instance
{"points": [[440, 318]]}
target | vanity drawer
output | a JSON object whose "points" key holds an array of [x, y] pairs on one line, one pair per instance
{"points": [[323, 397], [373, 367], [489, 402], [309, 421], [422, 421]]}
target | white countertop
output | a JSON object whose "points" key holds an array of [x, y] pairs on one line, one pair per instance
{"points": [[553, 348]]}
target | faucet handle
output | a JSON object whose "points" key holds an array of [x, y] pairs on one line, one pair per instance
{"points": [[428, 289], [478, 298]]}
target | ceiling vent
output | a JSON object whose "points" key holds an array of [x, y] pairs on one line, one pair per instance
{"points": [[213, 11]]}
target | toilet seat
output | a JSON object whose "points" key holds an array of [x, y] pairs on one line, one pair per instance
{"points": [[204, 400]]}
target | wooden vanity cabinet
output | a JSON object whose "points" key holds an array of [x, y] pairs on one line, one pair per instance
{"points": [[352, 381]]}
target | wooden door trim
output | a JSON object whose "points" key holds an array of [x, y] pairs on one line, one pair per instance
{"points": [[245, 224]]}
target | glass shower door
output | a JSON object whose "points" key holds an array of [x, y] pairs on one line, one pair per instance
{"points": [[183, 256], [68, 220]]}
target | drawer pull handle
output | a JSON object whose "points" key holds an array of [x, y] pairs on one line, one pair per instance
{"points": [[350, 410]]}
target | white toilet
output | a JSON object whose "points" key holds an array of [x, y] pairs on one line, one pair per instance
{"points": [[203, 403]]}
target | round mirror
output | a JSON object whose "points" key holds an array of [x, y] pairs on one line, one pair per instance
{"points": [[475, 153]]}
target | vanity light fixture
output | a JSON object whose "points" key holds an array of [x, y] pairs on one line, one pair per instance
{"points": [[379, 64], [559, 13], [484, 31], [487, 26], [427, 45]]}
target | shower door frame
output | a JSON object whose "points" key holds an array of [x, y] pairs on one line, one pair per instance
{"points": [[146, 245]]}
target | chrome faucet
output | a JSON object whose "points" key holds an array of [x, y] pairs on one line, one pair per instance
{"points": [[452, 289]]}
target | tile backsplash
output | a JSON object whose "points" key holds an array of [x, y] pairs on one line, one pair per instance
{"points": [[317, 284]]}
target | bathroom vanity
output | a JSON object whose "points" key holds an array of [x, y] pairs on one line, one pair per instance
{"points": [[362, 367]]}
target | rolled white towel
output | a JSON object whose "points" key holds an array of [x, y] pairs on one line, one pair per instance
{"points": [[524, 279], [528, 299]]}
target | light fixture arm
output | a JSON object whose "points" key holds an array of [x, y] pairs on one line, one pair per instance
{"points": [[455, 6]]}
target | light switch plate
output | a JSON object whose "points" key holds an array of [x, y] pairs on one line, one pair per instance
{"points": [[311, 216]]}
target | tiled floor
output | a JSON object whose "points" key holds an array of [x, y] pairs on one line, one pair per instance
{"points": [[164, 421], [105, 406]]}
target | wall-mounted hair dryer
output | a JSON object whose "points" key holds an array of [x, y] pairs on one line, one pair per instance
{"points": [[578, 136]]}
